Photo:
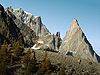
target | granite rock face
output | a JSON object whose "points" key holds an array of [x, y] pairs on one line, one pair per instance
{"points": [[29, 35], [33, 29], [33, 22], [57, 41], [9, 32], [31, 26], [75, 43]]}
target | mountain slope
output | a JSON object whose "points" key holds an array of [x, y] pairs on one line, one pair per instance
{"points": [[75, 43], [33, 29], [8, 30]]}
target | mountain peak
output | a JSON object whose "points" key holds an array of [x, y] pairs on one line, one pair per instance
{"points": [[74, 24], [76, 43], [1, 8], [74, 20]]}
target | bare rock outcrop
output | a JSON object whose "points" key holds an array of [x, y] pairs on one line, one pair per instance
{"points": [[9, 32], [76, 43], [33, 29]]}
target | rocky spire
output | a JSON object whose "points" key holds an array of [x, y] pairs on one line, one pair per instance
{"points": [[76, 43], [75, 23], [38, 26], [58, 34], [74, 27]]}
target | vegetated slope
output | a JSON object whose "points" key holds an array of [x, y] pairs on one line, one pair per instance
{"points": [[15, 60], [72, 65]]}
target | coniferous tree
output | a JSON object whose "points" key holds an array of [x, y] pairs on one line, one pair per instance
{"points": [[4, 58], [62, 70], [30, 62], [45, 64]]}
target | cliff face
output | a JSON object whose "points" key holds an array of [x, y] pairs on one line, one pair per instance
{"points": [[8, 29], [75, 43], [29, 35], [33, 29], [33, 22], [31, 26]]}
